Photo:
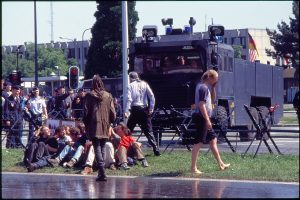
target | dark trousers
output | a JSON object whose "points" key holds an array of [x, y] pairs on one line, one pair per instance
{"points": [[140, 116], [42, 162], [14, 137], [35, 151], [31, 132], [99, 148]]}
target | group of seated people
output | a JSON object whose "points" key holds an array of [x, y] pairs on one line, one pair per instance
{"points": [[71, 147]]}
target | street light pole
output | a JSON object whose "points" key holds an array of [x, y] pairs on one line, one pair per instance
{"points": [[125, 53], [35, 48], [18, 49], [58, 73], [82, 50]]}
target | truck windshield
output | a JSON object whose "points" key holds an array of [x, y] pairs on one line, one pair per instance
{"points": [[169, 63]]}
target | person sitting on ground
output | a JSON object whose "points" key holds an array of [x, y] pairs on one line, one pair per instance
{"points": [[109, 160], [43, 148], [39, 146], [128, 147], [62, 138], [74, 149]]}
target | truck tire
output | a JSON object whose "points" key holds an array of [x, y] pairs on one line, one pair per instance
{"points": [[250, 135], [264, 111], [265, 116], [221, 120]]}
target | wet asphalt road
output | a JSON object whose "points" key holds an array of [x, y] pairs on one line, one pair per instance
{"points": [[33, 185], [28, 186]]}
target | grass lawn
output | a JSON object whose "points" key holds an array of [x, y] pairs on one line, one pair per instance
{"points": [[289, 120], [177, 164]]}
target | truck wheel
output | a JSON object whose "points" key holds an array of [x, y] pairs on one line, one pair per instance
{"points": [[265, 116], [250, 135], [221, 120]]}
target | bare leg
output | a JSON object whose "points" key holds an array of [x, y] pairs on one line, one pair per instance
{"points": [[195, 153], [215, 151]]}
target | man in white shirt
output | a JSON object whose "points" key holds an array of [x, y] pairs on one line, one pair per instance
{"points": [[38, 111], [140, 111]]}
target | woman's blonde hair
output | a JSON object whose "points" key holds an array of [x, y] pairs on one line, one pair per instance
{"points": [[209, 74]]}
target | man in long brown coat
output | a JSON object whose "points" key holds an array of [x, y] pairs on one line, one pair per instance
{"points": [[99, 113]]}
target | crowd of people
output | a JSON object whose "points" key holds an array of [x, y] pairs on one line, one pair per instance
{"points": [[100, 140]]}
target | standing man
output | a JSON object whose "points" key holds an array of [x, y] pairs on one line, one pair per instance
{"points": [[138, 94], [13, 118], [60, 106], [38, 110], [99, 113], [203, 100], [7, 90]]}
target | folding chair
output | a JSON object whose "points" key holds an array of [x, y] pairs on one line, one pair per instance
{"points": [[187, 132], [261, 131], [181, 131]]}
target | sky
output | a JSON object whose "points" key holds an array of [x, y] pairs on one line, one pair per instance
{"points": [[70, 19]]}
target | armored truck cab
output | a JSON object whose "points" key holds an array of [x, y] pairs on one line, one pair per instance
{"points": [[173, 65]]}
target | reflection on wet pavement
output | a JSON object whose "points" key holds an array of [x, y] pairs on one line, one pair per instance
{"points": [[23, 185]]}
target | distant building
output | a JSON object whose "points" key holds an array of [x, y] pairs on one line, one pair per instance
{"points": [[75, 50], [232, 37], [241, 37]]}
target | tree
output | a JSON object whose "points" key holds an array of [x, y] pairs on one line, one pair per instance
{"points": [[286, 41], [48, 58], [104, 55], [237, 51]]}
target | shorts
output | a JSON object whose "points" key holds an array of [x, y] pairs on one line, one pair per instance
{"points": [[202, 134]]}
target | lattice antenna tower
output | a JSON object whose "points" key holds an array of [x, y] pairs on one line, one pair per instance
{"points": [[51, 21]]}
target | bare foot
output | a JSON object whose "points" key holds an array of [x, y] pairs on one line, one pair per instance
{"points": [[196, 171], [224, 166]]}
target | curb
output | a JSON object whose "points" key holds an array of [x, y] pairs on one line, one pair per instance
{"points": [[286, 125], [156, 177]]}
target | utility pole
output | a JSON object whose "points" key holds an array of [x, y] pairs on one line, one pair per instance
{"points": [[51, 22], [82, 51], [124, 52], [205, 24], [35, 48]]}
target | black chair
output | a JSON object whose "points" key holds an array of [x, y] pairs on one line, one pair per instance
{"points": [[262, 132]]}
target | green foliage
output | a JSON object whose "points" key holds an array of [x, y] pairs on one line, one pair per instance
{"points": [[104, 55], [237, 51], [266, 167], [48, 58], [286, 41]]}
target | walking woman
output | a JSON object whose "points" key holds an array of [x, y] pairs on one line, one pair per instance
{"points": [[203, 100], [99, 113]]}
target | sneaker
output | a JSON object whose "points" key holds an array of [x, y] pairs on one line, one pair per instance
{"points": [[71, 163], [54, 162], [112, 166], [86, 170], [124, 166], [145, 163], [27, 162]]}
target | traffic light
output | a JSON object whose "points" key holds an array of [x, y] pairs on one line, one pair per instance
{"points": [[15, 78], [73, 77]]}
